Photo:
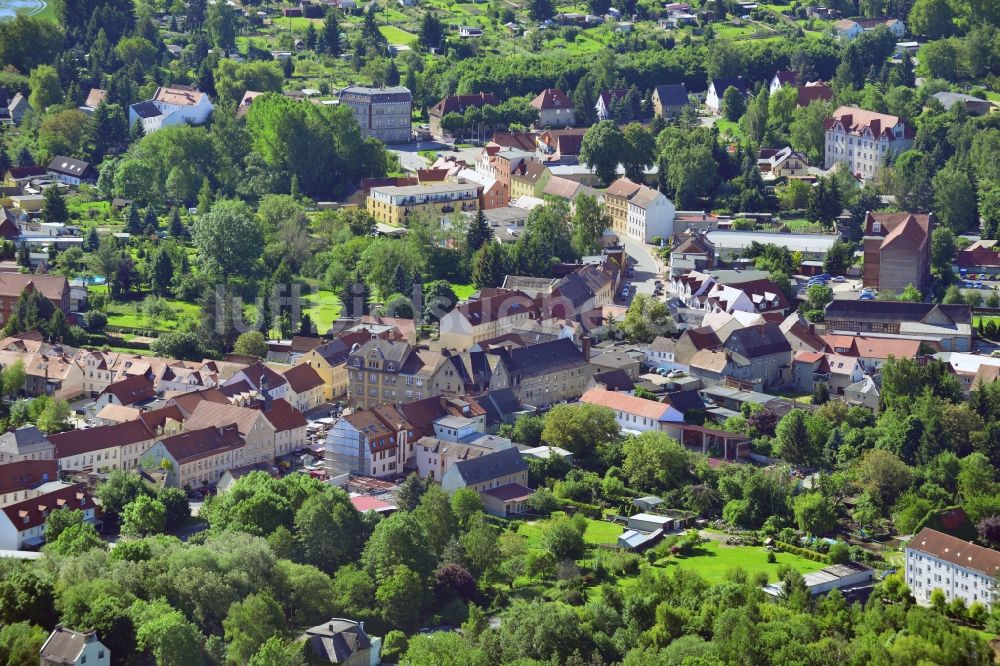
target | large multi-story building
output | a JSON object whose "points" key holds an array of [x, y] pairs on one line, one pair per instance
{"points": [[495, 313], [456, 104], [171, 105], [199, 457], [862, 139], [960, 569], [616, 199], [397, 204], [386, 371], [897, 250], [382, 113], [649, 215]]}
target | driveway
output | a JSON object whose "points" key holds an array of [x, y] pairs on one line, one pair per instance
{"points": [[409, 153]]}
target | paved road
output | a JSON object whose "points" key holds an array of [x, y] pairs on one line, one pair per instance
{"points": [[409, 153], [646, 270]]}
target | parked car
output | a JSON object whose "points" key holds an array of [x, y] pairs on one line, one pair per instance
{"points": [[839, 278]]}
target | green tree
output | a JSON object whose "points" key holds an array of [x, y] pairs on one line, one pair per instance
{"points": [[942, 250], [806, 131], [564, 540], [221, 23], [792, 440], [331, 32], [580, 428], [58, 521], [400, 596], [45, 88], [541, 10], [399, 539], [55, 209], [654, 461], [431, 31], [168, 637], [954, 199], [733, 104], [478, 234], [251, 343], [163, 273], [177, 507], [21, 642], [638, 151], [410, 491], [814, 514], [465, 505], [589, 223], [647, 318], [228, 239], [434, 515], [119, 490], [328, 530], [932, 18], [144, 516], [602, 149], [911, 181], [277, 652], [489, 266], [250, 623], [75, 540]]}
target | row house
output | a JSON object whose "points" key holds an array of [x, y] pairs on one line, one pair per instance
{"points": [[390, 371], [960, 569], [199, 457], [305, 387], [21, 480], [871, 352], [756, 354], [329, 361], [25, 443], [22, 524], [104, 448], [494, 313], [635, 414]]}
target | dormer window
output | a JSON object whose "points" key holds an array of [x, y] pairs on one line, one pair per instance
{"points": [[877, 227]]}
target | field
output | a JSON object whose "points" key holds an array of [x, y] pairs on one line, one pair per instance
{"points": [[323, 308], [712, 560], [396, 36], [463, 291], [598, 532]]}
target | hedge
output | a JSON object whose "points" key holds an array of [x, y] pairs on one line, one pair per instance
{"points": [[589, 510], [803, 552]]}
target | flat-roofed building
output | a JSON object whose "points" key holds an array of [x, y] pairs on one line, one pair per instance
{"points": [[396, 204]]}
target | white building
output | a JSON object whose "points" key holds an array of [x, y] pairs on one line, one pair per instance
{"points": [[171, 105], [22, 525], [65, 646], [960, 569], [637, 414], [862, 139], [650, 214], [848, 29]]}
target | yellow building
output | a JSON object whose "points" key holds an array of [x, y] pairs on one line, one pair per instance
{"points": [[528, 180], [395, 205], [199, 457], [616, 200]]}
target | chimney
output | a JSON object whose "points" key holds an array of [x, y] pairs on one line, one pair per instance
{"points": [[585, 341]]}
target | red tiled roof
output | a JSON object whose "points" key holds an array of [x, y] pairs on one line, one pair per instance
{"points": [[51, 287], [458, 103], [491, 308], [512, 492], [367, 503], [956, 551], [302, 378], [26, 473], [33, 512], [131, 390], [856, 121], [815, 92], [552, 98], [192, 445], [623, 402], [75, 442]]}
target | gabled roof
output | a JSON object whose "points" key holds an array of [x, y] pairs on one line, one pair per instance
{"points": [[623, 402], [519, 140], [31, 513], [64, 646], [785, 76], [95, 97], [896, 311], [192, 445], [76, 442], [302, 378], [956, 551], [22, 475], [756, 341], [51, 287], [702, 338], [69, 166], [623, 187], [607, 97], [858, 121], [145, 109], [24, 441], [493, 307], [491, 466], [542, 358], [673, 94], [813, 92], [552, 98], [459, 103], [722, 84], [131, 390]]}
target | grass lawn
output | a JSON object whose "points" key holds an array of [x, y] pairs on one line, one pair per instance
{"points": [[729, 128], [713, 559], [464, 291], [127, 314], [323, 308], [396, 36], [598, 532]]}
